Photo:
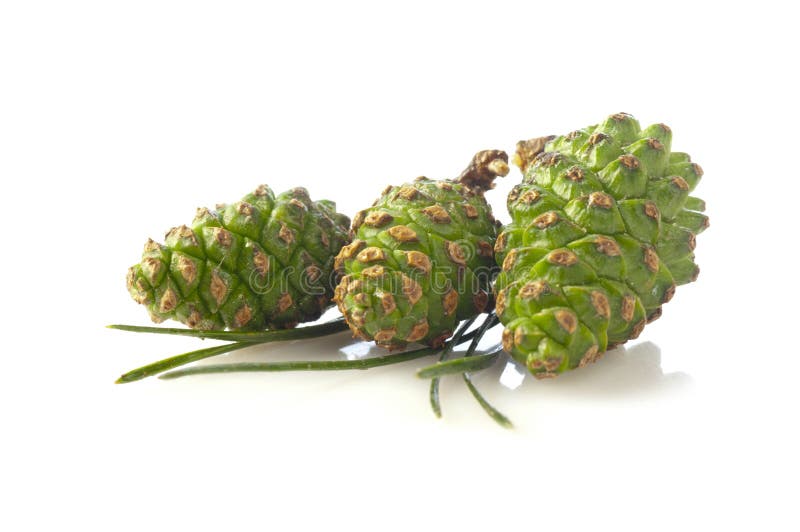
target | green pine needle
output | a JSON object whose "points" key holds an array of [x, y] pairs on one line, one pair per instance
{"points": [[495, 414], [436, 405], [459, 365], [326, 365], [300, 333], [179, 360], [433, 396], [470, 362], [240, 339], [490, 321]]}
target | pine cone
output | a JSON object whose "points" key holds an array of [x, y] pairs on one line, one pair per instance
{"points": [[261, 262], [601, 235], [421, 258]]}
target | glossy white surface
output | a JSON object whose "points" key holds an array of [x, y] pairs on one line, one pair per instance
{"points": [[117, 121]]}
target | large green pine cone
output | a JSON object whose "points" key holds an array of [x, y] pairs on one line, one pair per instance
{"points": [[421, 258], [601, 234], [264, 262]]}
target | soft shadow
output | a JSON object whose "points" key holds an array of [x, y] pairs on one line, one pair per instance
{"points": [[331, 347], [622, 372]]}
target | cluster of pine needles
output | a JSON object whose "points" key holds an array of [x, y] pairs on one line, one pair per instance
{"points": [[465, 365]]}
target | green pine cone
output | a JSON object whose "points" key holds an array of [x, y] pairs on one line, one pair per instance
{"points": [[421, 258], [264, 262], [603, 229]]}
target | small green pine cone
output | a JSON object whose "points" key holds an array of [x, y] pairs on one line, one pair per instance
{"points": [[421, 258], [264, 262], [603, 230]]}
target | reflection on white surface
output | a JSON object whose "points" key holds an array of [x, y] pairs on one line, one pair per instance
{"points": [[512, 375], [357, 350], [623, 371]]}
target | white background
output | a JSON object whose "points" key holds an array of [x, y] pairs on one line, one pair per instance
{"points": [[117, 119]]}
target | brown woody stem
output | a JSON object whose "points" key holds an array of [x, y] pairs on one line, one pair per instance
{"points": [[485, 166]]}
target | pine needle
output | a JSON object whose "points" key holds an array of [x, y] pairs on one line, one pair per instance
{"points": [[179, 360], [459, 365], [495, 414], [325, 365], [433, 394], [261, 337]]}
